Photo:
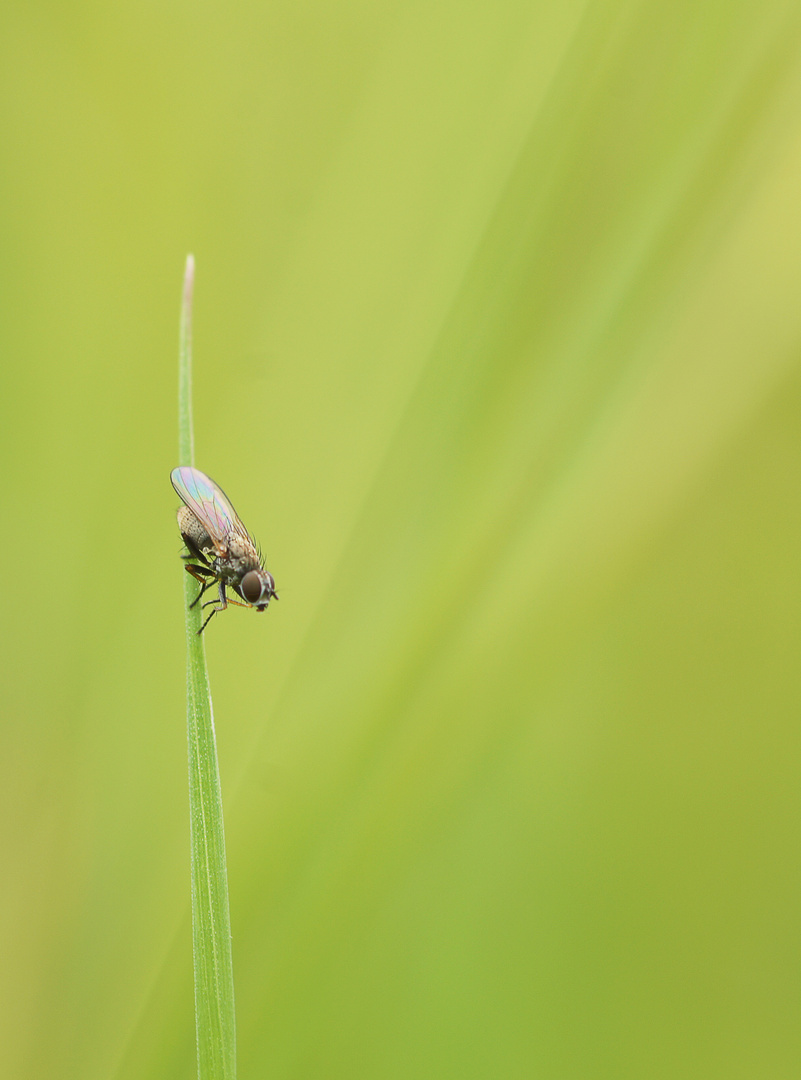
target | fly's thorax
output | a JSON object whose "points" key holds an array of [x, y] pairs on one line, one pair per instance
{"points": [[242, 555]]}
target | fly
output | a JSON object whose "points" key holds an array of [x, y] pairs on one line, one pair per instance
{"points": [[219, 545]]}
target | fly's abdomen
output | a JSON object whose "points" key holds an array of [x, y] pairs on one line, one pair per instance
{"points": [[193, 531]]}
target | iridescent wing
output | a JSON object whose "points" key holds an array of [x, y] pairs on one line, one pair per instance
{"points": [[210, 505]]}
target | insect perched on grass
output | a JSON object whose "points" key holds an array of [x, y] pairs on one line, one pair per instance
{"points": [[219, 545]]}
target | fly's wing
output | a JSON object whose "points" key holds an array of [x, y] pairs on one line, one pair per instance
{"points": [[209, 504]]}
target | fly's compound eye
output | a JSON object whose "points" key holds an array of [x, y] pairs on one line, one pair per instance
{"points": [[251, 587]]}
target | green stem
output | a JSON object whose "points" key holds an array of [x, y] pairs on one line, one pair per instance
{"points": [[211, 925]]}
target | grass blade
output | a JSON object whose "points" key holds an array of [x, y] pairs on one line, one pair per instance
{"points": [[211, 926]]}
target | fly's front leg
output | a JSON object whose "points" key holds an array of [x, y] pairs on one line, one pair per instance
{"points": [[222, 604], [202, 574], [193, 551]]}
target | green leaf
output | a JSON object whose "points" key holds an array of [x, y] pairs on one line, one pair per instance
{"points": [[211, 924]]}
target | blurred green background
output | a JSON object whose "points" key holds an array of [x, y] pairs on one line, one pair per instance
{"points": [[497, 352]]}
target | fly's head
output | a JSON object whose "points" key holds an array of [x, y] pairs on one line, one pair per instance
{"points": [[257, 587]]}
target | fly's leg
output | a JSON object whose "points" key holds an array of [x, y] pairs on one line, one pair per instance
{"points": [[221, 604], [203, 588], [202, 574], [193, 550]]}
